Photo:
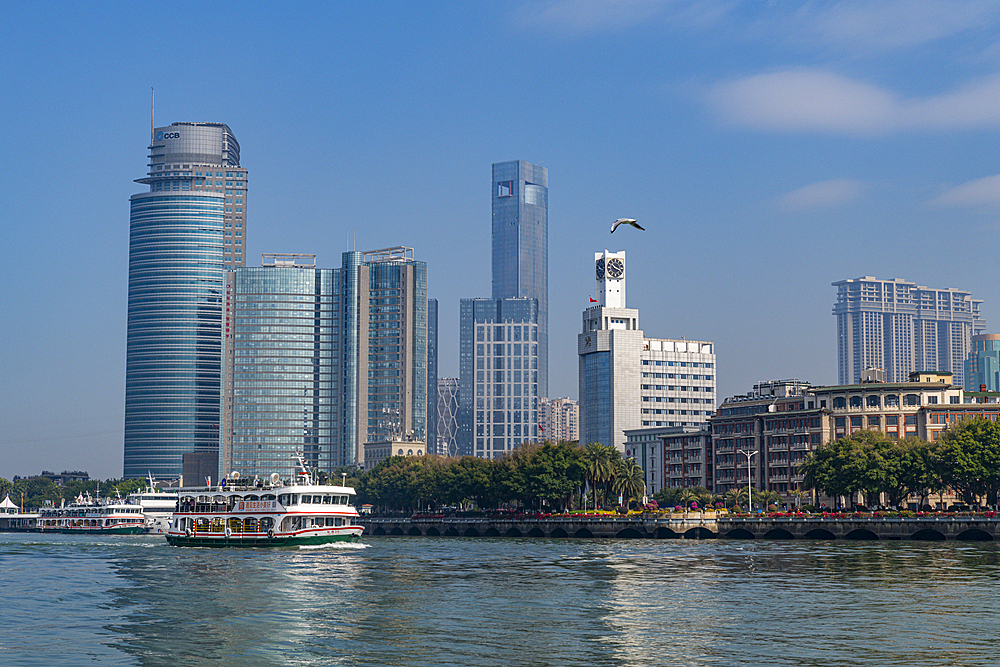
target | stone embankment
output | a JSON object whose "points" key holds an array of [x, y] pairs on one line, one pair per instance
{"points": [[695, 525]]}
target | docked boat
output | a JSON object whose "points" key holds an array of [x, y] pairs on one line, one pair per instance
{"points": [[265, 513], [13, 520], [157, 507], [87, 515]]}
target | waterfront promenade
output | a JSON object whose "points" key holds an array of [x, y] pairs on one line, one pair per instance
{"points": [[695, 525]]}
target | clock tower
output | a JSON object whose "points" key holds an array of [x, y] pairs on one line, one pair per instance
{"points": [[609, 279]]}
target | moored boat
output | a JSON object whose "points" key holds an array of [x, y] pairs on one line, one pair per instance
{"points": [[87, 515], [157, 507], [265, 513]]}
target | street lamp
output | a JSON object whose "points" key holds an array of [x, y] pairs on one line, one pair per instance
{"points": [[749, 456]]}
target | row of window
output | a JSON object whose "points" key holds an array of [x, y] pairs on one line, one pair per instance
{"points": [[682, 364]]}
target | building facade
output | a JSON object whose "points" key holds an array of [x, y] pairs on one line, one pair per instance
{"points": [[281, 375], [628, 380], [982, 367], [902, 327], [498, 367], [323, 361], [520, 244], [559, 419], [385, 319], [447, 417], [182, 239], [432, 376]]}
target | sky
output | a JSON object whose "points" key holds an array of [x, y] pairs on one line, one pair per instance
{"points": [[768, 148]]}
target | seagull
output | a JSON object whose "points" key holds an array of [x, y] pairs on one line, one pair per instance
{"points": [[625, 221]]}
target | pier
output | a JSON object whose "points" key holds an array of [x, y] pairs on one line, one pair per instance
{"points": [[695, 526]]}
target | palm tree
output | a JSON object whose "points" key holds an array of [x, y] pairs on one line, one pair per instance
{"points": [[769, 497], [705, 498], [598, 467], [736, 495], [686, 497], [630, 480]]}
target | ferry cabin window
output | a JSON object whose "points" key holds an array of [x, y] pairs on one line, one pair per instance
{"points": [[283, 499], [307, 499], [326, 500]]}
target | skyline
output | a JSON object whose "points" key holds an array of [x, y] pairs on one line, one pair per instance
{"points": [[768, 152]]}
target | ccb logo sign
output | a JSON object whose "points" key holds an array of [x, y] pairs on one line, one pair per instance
{"points": [[160, 136]]}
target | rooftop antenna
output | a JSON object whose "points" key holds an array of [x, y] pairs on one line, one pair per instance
{"points": [[152, 108]]}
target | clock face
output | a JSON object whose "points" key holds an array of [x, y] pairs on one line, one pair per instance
{"points": [[600, 268], [616, 267]]}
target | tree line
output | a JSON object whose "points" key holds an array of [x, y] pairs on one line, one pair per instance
{"points": [[35, 492], [965, 459], [557, 476]]}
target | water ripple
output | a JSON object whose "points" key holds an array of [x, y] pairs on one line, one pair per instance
{"points": [[456, 601]]}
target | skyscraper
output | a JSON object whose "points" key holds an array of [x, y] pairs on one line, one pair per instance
{"points": [[628, 380], [322, 361], [432, 376], [982, 366], [178, 254], [447, 418], [385, 349], [521, 245], [498, 369], [902, 327], [281, 370]]}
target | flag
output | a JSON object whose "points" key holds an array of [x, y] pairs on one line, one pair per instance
{"points": [[593, 300]]}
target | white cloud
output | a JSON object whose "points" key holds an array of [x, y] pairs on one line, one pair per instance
{"points": [[825, 194], [858, 26], [980, 192], [816, 100], [886, 25]]}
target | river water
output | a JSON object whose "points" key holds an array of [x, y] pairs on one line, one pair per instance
{"points": [[70, 600]]}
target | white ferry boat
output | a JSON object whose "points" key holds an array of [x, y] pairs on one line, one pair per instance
{"points": [[86, 515], [265, 513], [157, 507]]}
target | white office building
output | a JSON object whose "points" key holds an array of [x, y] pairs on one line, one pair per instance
{"points": [[629, 380]]}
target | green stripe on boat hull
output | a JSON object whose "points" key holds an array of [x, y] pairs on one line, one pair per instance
{"points": [[196, 541]]}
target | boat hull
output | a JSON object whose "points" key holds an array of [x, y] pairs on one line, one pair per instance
{"points": [[261, 541], [129, 530]]}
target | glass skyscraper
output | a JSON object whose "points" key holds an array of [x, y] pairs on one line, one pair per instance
{"points": [[982, 366], [521, 245], [322, 361], [385, 348], [280, 392], [499, 370], [178, 254]]}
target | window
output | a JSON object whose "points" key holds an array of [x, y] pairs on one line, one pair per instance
{"points": [[505, 189]]}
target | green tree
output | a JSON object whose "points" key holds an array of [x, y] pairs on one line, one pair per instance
{"points": [[630, 481], [736, 496], [853, 464], [598, 463], [969, 459]]}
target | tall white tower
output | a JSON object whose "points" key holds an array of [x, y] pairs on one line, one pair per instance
{"points": [[609, 278]]}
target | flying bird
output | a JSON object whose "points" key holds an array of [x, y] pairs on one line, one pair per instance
{"points": [[625, 221]]}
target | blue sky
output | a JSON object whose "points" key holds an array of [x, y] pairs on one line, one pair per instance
{"points": [[769, 149]]}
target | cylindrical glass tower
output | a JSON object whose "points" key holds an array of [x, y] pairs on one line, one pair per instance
{"points": [[175, 286]]}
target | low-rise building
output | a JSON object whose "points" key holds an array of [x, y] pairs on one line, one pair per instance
{"points": [[379, 450]]}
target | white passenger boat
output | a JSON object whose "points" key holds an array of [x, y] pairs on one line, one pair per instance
{"points": [[157, 507], [87, 515], [265, 513]]}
